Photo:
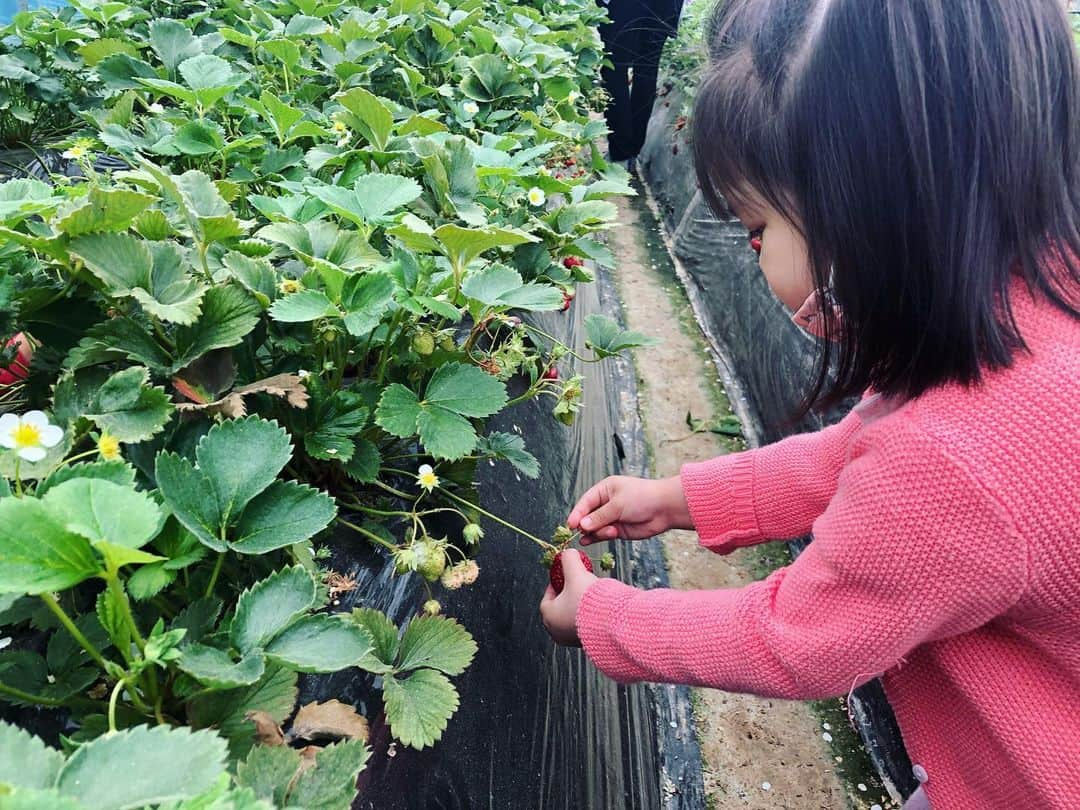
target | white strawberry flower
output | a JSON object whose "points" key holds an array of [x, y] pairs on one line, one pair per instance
{"points": [[470, 107], [573, 96], [156, 109], [29, 435], [537, 196], [427, 478], [76, 152]]}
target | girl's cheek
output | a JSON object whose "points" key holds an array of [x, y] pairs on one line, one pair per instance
{"points": [[788, 278]]}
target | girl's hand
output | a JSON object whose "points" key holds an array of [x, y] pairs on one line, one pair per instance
{"points": [[559, 612], [631, 508]]}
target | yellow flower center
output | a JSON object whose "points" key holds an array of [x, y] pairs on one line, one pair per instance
{"points": [[78, 151], [26, 435], [108, 447], [429, 480]]}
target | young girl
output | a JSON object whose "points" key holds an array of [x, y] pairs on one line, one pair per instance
{"points": [[909, 172]]}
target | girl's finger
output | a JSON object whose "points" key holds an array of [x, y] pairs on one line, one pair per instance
{"points": [[594, 497], [608, 513]]}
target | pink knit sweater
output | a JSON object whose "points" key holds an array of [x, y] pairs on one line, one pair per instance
{"points": [[946, 559]]}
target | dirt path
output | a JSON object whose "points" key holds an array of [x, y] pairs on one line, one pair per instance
{"points": [[757, 753]]}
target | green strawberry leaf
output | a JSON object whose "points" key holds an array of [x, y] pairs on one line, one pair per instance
{"points": [[268, 771], [499, 286], [462, 245], [128, 408], [384, 636], [271, 605], [215, 668], [25, 761], [115, 471], [149, 580], [228, 315], [185, 489], [372, 118], [285, 513], [37, 553], [511, 447], [607, 339], [397, 411], [101, 510], [366, 298], [445, 434], [331, 784], [209, 215], [465, 390], [320, 643], [141, 766], [240, 458], [303, 306], [103, 209], [419, 706], [436, 642], [173, 42], [365, 462]]}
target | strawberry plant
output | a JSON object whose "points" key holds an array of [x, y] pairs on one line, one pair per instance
{"points": [[284, 291]]}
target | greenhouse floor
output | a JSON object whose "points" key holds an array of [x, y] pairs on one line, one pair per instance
{"points": [[758, 753]]}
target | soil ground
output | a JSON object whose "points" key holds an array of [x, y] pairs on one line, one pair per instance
{"points": [[757, 753]]}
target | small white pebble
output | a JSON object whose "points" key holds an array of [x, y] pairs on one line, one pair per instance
{"points": [[875, 807], [766, 786], [861, 787], [839, 759], [673, 724], [827, 737], [826, 726]]}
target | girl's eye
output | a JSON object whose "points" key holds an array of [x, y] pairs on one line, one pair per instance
{"points": [[755, 240]]}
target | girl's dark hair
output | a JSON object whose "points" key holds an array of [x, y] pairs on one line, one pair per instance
{"points": [[927, 150]]}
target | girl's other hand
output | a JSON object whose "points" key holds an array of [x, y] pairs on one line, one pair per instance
{"points": [[630, 508]]}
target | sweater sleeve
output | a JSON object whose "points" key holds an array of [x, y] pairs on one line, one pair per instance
{"points": [[770, 493], [911, 549]]}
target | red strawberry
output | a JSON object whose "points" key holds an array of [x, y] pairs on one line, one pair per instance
{"points": [[20, 368], [570, 262], [755, 244], [566, 299], [551, 374], [558, 579]]}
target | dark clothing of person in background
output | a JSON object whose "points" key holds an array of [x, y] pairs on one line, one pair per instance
{"points": [[634, 39]]}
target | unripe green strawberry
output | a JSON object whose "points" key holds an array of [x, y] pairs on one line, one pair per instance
{"points": [[432, 607], [447, 343], [423, 343], [431, 560]]}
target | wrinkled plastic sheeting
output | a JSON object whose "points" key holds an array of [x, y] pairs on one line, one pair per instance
{"points": [[765, 359], [538, 726]]}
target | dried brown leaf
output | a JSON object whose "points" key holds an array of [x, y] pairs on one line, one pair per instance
{"points": [[332, 720], [232, 406], [267, 732]]}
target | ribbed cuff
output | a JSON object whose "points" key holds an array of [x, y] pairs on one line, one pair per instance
{"points": [[720, 495], [598, 617]]}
